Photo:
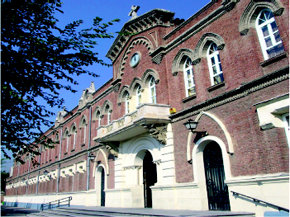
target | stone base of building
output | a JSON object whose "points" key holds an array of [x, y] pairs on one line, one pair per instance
{"points": [[183, 196]]}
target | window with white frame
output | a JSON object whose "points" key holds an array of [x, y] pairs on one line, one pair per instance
{"points": [[214, 64], [188, 77], [108, 111], [127, 103], [268, 33], [98, 116], [285, 118], [152, 89], [138, 94], [84, 131], [74, 131], [67, 139]]}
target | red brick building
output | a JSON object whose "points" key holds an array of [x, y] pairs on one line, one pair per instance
{"points": [[125, 145]]}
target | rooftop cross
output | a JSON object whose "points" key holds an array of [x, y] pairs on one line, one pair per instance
{"points": [[133, 12]]}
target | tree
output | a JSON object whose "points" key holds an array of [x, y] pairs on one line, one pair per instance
{"points": [[36, 56]]}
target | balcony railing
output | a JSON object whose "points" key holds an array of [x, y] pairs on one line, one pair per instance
{"points": [[133, 123]]}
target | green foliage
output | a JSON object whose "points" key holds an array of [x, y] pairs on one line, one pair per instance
{"points": [[36, 56]]}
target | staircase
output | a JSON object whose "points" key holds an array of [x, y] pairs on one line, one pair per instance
{"points": [[115, 212]]}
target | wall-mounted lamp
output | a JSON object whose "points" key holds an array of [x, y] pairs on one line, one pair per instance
{"points": [[192, 125], [45, 172], [91, 156]]}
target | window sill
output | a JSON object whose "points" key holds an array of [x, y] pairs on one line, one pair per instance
{"points": [[273, 59], [216, 86], [189, 98]]}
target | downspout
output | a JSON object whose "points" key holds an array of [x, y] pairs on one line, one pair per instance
{"points": [[59, 155], [39, 170], [89, 145]]}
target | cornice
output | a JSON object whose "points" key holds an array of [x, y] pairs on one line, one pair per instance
{"points": [[156, 17], [240, 92]]}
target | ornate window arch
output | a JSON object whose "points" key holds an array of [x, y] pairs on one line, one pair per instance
{"points": [[178, 62], [125, 97], [107, 110], [252, 10]]}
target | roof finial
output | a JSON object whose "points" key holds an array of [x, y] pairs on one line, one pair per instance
{"points": [[133, 12]]}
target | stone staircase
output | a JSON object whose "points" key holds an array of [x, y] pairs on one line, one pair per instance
{"points": [[116, 212]]}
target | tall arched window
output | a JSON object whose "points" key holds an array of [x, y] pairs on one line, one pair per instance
{"points": [[268, 34], [67, 139], [152, 90], [188, 77], [109, 113], [138, 94], [84, 131], [214, 64], [98, 116], [127, 103], [74, 133]]}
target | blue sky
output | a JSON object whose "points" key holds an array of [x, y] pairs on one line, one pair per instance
{"points": [[87, 10]]}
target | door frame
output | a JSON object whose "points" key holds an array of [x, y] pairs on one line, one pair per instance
{"points": [[198, 165]]}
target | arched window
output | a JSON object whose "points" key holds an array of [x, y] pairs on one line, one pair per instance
{"points": [[188, 77], [74, 132], [98, 116], [67, 139], [268, 33], [214, 64], [109, 113], [84, 131], [127, 103], [138, 94], [152, 90]]}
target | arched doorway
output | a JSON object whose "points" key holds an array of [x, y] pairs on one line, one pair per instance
{"points": [[100, 184], [217, 190], [103, 187], [149, 178]]}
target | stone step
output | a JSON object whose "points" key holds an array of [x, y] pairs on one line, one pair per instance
{"points": [[116, 212]]}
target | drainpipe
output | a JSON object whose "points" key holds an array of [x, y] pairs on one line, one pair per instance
{"points": [[89, 145], [59, 156], [39, 170]]}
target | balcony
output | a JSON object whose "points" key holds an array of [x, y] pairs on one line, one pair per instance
{"points": [[138, 122]]}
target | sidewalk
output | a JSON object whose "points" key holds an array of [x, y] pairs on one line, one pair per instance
{"points": [[16, 211]]}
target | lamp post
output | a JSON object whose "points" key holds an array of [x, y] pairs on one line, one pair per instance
{"points": [[91, 156]]}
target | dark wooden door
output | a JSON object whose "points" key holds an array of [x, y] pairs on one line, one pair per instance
{"points": [[217, 190], [103, 196], [149, 178]]}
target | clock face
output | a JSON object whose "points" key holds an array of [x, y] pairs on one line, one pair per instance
{"points": [[135, 60]]}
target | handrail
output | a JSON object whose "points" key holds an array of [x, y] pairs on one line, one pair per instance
{"points": [[56, 203], [260, 201]]}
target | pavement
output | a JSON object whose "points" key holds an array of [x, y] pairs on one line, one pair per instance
{"points": [[16, 211]]}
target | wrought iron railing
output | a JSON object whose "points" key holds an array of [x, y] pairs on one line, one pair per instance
{"points": [[56, 203], [260, 201]]}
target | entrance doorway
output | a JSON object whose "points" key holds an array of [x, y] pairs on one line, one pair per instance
{"points": [[217, 190], [149, 178], [103, 199]]}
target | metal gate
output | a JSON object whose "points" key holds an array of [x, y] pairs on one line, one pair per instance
{"points": [[217, 190]]}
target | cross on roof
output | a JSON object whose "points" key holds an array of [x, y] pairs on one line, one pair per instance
{"points": [[133, 12]]}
